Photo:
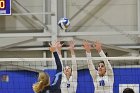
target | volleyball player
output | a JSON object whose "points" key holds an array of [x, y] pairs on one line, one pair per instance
{"points": [[69, 75], [43, 85], [103, 77]]}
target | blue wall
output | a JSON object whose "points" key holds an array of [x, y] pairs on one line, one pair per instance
{"points": [[126, 76], [21, 81]]}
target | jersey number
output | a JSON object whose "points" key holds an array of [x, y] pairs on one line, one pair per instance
{"points": [[102, 83], [68, 85]]}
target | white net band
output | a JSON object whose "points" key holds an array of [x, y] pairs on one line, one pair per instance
{"points": [[77, 58]]}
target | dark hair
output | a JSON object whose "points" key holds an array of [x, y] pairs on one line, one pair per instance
{"points": [[98, 64], [102, 62], [128, 90], [65, 66], [106, 56]]}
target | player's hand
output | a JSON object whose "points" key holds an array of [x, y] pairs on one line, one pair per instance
{"points": [[59, 46], [87, 46], [52, 47], [71, 45], [98, 46]]}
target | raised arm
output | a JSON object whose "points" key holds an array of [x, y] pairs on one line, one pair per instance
{"points": [[58, 62], [91, 67], [57, 81], [74, 64], [57, 59], [108, 66], [58, 49]]}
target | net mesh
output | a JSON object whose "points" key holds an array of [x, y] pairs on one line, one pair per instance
{"points": [[19, 74]]}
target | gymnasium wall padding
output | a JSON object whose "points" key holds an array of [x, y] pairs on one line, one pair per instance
{"points": [[21, 81]]}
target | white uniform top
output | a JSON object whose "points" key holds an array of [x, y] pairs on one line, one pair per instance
{"points": [[102, 84], [70, 86]]}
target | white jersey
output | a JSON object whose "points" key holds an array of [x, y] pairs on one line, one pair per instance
{"points": [[102, 84], [70, 86]]}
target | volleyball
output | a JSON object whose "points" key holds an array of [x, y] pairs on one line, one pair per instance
{"points": [[64, 23]]}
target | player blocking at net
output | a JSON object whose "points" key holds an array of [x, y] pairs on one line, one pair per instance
{"points": [[69, 75], [103, 77], [43, 85]]}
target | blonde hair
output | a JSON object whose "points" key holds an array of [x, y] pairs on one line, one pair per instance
{"points": [[45, 78], [38, 86], [43, 81]]}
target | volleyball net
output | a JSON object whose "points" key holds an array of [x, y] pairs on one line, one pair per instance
{"points": [[18, 74]]}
